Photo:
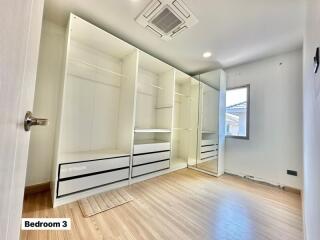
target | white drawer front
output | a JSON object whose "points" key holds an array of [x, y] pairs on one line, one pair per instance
{"points": [[152, 147], [208, 142], [152, 157], [80, 168], [209, 154], [149, 168], [84, 183], [209, 148]]}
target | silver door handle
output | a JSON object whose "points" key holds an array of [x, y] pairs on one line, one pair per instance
{"points": [[30, 121]]}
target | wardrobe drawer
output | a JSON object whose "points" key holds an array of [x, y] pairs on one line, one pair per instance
{"points": [[150, 168], [209, 148], [151, 147], [150, 157], [207, 142], [209, 154], [87, 167], [85, 183]]}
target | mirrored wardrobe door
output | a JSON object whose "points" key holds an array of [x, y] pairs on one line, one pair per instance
{"points": [[209, 128], [193, 132], [208, 122]]}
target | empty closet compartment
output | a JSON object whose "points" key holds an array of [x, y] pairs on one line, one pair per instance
{"points": [[154, 113], [184, 134], [97, 108], [154, 99]]}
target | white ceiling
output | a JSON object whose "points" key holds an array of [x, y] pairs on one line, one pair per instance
{"points": [[235, 31]]}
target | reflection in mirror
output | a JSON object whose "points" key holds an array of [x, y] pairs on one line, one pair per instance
{"points": [[209, 125], [207, 122], [184, 144], [207, 140]]}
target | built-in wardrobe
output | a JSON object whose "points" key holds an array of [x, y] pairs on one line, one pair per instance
{"points": [[124, 116]]}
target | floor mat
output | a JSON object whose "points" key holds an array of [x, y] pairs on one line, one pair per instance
{"points": [[104, 201]]}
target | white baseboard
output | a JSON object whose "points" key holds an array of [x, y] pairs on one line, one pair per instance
{"points": [[254, 178]]}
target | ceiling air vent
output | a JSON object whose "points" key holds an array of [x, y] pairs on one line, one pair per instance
{"points": [[166, 18]]}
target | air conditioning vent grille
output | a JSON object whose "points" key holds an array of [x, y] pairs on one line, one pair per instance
{"points": [[166, 21], [166, 18]]}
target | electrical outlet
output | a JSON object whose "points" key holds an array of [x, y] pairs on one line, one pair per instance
{"points": [[292, 172]]}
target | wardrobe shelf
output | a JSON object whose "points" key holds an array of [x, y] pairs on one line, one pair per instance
{"points": [[152, 85], [145, 93], [148, 141], [152, 130], [182, 129], [93, 80], [181, 94], [163, 107], [208, 132], [67, 157], [75, 60]]}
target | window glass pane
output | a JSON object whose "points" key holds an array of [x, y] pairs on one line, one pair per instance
{"points": [[236, 112]]}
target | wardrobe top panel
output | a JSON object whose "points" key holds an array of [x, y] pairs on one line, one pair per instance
{"points": [[92, 36], [211, 78], [181, 77], [153, 64]]}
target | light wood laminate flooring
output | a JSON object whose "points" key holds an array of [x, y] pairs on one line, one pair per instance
{"points": [[182, 205]]}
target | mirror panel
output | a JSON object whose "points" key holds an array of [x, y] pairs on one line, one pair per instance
{"points": [[209, 128]]}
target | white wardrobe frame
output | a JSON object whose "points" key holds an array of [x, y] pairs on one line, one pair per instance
{"points": [[131, 127]]}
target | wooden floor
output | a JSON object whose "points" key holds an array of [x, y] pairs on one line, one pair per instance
{"points": [[182, 205]]}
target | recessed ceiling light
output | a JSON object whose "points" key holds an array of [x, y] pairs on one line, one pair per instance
{"points": [[207, 54]]}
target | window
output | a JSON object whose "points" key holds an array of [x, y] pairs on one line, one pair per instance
{"points": [[237, 112]]}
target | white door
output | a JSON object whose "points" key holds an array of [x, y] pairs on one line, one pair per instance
{"points": [[20, 28]]}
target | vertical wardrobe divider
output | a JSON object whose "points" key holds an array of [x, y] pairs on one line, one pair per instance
{"points": [[124, 116]]}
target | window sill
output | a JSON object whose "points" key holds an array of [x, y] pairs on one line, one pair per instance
{"points": [[238, 137]]}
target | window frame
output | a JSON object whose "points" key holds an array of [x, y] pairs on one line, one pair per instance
{"points": [[247, 136]]}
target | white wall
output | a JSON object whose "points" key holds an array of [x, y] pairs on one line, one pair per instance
{"points": [[311, 124], [49, 77], [275, 143]]}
